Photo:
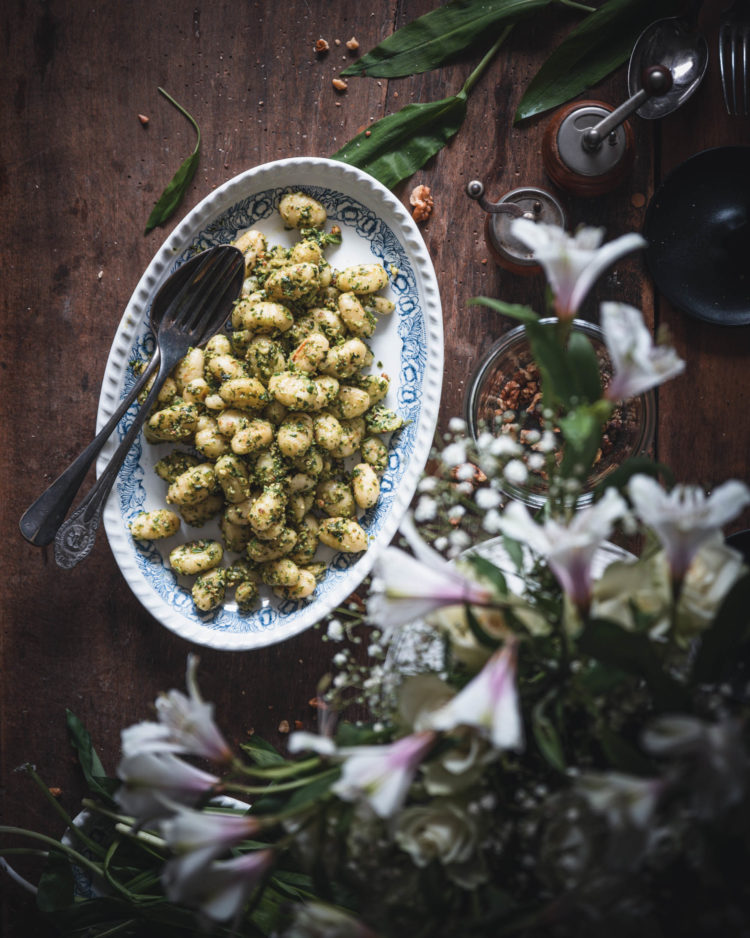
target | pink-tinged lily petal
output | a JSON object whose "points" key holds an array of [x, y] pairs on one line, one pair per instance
{"points": [[637, 363], [382, 775], [223, 887], [150, 782], [489, 702], [685, 518], [197, 837], [405, 589], [569, 549], [572, 263], [190, 721]]}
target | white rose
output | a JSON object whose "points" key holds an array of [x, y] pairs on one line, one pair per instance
{"points": [[714, 571]]}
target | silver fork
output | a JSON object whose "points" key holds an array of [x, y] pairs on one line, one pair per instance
{"points": [[734, 40], [194, 316]]}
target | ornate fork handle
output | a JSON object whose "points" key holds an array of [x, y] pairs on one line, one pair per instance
{"points": [[41, 520], [76, 536]]}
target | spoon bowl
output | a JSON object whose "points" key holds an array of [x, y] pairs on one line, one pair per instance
{"points": [[675, 43]]}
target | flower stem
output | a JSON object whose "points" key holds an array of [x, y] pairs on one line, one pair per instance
{"points": [[575, 5], [75, 831], [72, 854]]}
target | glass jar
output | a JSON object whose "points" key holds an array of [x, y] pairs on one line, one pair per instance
{"points": [[505, 390]]}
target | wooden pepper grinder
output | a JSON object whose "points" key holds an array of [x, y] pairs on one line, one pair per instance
{"points": [[588, 148], [526, 202]]}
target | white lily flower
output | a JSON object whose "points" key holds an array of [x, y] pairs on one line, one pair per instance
{"points": [[572, 263], [625, 800], [489, 702], [222, 888], [150, 782], [302, 740], [382, 775], [316, 920], [186, 725], [685, 518], [197, 837], [569, 549], [638, 364], [407, 588]]}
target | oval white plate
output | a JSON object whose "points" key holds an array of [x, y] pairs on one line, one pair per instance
{"points": [[407, 345]]}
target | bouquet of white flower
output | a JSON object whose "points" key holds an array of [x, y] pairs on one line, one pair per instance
{"points": [[566, 752]]}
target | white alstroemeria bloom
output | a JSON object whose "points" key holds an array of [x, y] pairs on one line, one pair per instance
{"points": [[150, 782], [186, 725], [382, 775], [572, 263], [407, 588], [569, 549], [302, 740], [197, 837], [222, 888], [685, 518], [638, 364], [316, 920], [625, 800], [489, 702]]}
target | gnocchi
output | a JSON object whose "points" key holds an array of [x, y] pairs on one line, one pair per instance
{"points": [[283, 422]]}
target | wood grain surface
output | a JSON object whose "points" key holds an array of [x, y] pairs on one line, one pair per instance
{"points": [[79, 173]]}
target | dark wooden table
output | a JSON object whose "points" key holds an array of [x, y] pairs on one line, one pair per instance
{"points": [[79, 173]]}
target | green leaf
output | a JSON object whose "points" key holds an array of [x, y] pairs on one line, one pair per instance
{"points": [[485, 640], [600, 44], [396, 146], [585, 367], [178, 184], [96, 778], [439, 36], [315, 790], [719, 644], [514, 310], [609, 643], [262, 753], [558, 381], [55, 884], [546, 736], [582, 430], [489, 572], [401, 143]]}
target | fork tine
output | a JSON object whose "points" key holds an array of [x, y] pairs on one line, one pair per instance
{"points": [[745, 76], [207, 301], [183, 310]]}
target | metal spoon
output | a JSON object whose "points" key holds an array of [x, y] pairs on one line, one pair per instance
{"points": [[41, 520], [676, 43]]}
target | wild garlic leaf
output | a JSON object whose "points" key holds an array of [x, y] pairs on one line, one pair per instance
{"points": [[178, 184], [396, 146], [597, 46], [439, 36]]}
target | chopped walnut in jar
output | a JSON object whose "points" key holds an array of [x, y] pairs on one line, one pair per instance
{"points": [[422, 202]]}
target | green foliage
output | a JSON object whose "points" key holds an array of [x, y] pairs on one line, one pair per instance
{"points": [[177, 186], [93, 770], [440, 36]]}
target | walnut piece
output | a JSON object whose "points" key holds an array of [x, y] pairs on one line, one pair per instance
{"points": [[321, 46], [352, 45], [422, 203], [339, 84]]}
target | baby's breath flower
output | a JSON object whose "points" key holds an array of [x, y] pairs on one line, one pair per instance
{"points": [[487, 498], [336, 630], [454, 454], [516, 472], [535, 462], [426, 509]]}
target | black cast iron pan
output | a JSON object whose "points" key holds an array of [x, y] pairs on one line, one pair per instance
{"points": [[698, 231]]}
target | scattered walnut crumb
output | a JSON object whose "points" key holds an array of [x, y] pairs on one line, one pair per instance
{"points": [[318, 703], [352, 45], [321, 46], [298, 724], [284, 726], [638, 200], [339, 84], [143, 119], [422, 201], [55, 792], [337, 42]]}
